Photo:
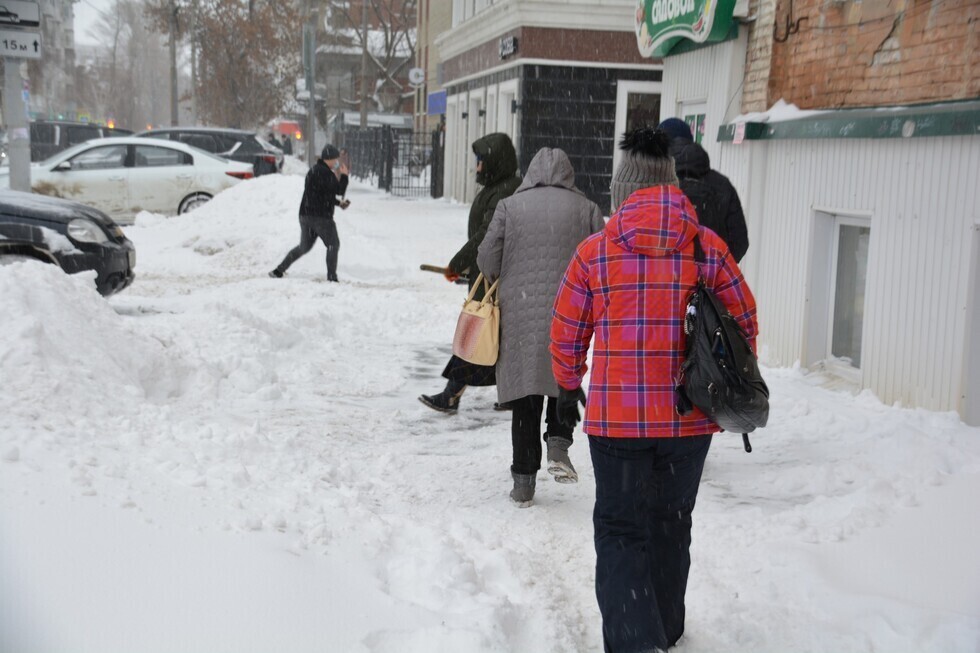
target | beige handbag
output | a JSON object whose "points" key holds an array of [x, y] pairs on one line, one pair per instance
{"points": [[477, 335]]}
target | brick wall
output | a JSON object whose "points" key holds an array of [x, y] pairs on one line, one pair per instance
{"points": [[549, 43], [849, 53], [758, 58]]}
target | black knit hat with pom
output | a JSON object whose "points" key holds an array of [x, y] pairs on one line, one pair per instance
{"points": [[646, 162]]}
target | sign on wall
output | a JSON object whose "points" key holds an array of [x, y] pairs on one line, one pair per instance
{"points": [[437, 103], [660, 24]]}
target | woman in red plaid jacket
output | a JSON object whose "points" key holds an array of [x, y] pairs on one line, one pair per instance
{"points": [[628, 287]]}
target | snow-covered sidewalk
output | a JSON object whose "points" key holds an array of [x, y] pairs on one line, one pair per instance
{"points": [[214, 461]]}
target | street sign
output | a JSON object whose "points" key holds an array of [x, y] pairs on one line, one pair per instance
{"points": [[23, 45], [15, 13]]}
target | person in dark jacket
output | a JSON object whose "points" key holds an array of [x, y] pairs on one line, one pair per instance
{"points": [[326, 184], [714, 198], [496, 171]]}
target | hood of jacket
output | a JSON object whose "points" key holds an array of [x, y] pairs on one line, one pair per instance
{"points": [[654, 221], [549, 167], [690, 159], [498, 156]]}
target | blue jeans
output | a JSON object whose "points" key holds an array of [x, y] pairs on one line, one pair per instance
{"points": [[645, 493]]}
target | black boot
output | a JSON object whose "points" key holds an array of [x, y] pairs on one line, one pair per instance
{"points": [[446, 401]]}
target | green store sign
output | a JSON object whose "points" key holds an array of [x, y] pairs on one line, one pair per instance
{"points": [[660, 24]]}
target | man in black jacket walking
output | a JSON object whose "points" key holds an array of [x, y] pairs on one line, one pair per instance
{"points": [[713, 196], [326, 184]]}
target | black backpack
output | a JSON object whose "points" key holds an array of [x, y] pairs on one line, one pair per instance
{"points": [[720, 374]]}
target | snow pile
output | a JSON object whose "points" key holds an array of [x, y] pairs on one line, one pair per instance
{"points": [[217, 460]]}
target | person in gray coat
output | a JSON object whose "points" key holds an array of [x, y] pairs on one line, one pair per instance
{"points": [[528, 245]]}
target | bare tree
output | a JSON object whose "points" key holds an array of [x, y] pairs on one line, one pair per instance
{"points": [[389, 39], [122, 80], [247, 56]]}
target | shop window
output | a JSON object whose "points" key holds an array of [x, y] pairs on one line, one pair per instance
{"points": [[696, 122]]}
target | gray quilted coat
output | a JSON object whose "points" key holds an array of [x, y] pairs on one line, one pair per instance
{"points": [[529, 243]]}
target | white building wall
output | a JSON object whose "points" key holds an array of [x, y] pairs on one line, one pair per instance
{"points": [[709, 76], [922, 196]]}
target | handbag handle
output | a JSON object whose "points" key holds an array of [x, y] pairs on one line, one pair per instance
{"points": [[487, 288]]}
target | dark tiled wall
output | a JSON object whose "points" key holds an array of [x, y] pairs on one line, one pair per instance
{"points": [[574, 109]]}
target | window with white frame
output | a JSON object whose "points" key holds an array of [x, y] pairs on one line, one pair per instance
{"points": [[463, 10]]}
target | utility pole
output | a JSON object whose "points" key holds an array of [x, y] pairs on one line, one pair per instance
{"points": [[173, 63], [18, 131], [364, 63], [194, 58]]}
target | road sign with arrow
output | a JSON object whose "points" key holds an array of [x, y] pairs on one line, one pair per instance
{"points": [[22, 45]]}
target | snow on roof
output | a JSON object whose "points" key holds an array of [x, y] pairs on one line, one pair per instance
{"points": [[781, 111]]}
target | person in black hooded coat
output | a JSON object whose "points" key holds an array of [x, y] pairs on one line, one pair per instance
{"points": [[496, 171], [714, 198]]}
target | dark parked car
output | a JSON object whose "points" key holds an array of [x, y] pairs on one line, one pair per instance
{"points": [[77, 236], [48, 137], [234, 144]]}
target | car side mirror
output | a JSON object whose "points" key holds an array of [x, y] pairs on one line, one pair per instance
{"points": [[64, 166]]}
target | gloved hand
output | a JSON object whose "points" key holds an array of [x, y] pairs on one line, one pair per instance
{"points": [[450, 274], [568, 401]]}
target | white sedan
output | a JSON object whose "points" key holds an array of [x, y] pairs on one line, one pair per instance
{"points": [[123, 176]]}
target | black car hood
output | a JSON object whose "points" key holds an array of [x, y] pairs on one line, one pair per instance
{"points": [[52, 209]]}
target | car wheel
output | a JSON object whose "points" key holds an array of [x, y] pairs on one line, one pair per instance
{"points": [[192, 202]]}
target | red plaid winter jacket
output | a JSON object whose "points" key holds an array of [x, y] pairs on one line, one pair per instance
{"points": [[629, 285]]}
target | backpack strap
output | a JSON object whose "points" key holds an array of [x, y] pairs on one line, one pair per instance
{"points": [[699, 258]]}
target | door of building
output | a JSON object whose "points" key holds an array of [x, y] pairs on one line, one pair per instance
{"points": [[637, 104], [849, 270], [695, 115]]}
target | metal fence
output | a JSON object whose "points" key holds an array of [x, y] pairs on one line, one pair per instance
{"points": [[404, 163]]}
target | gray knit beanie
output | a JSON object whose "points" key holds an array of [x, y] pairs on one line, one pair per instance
{"points": [[646, 162]]}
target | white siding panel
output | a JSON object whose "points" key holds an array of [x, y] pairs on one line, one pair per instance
{"points": [[710, 75], [922, 194]]}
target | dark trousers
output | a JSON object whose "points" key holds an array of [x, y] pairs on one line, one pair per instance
{"points": [[645, 493], [309, 230], [525, 431]]}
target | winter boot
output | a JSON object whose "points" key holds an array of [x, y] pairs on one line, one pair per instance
{"points": [[523, 492], [276, 274], [559, 464], [446, 401]]}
